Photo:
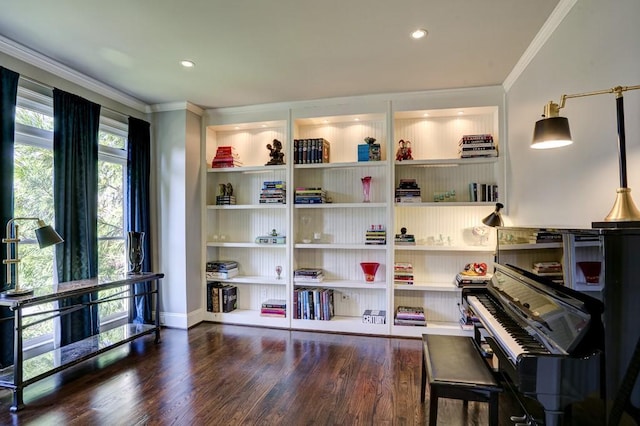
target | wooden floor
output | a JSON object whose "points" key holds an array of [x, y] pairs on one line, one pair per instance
{"points": [[232, 375]]}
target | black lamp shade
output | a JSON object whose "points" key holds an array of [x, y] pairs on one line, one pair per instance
{"points": [[47, 236], [494, 219], [551, 132]]}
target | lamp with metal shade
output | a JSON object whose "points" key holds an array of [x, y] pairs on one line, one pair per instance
{"points": [[495, 218], [553, 131], [46, 236]]}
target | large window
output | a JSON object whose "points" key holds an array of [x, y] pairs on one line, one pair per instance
{"points": [[33, 197]]}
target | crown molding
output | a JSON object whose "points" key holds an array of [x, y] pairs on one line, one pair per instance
{"points": [[552, 23], [47, 64], [177, 106]]}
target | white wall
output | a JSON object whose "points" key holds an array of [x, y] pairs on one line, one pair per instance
{"points": [[595, 47], [169, 131]]}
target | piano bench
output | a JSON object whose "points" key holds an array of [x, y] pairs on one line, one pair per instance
{"points": [[456, 369]]}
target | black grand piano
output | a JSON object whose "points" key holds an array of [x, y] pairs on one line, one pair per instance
{"points": [[548, 339]]}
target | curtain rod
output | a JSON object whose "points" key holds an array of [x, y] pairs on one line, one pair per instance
{"points": [[49, 87]]}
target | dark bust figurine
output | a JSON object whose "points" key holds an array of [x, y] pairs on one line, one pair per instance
{"points": [[276, 154]]}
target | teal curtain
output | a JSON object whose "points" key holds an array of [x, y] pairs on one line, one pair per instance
{"points": [[75, 183], [138, 170], [8, 96]]}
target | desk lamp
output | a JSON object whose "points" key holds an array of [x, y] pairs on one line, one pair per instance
{"points": [[553, 131], [46, 236]]}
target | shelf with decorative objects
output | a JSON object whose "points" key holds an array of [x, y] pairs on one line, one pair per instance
{"points": [[342, 164]]}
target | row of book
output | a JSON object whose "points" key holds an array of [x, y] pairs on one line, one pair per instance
{"points": [[545, 237], [410, 315], [225, 200], [551, 269], [463, 280], [311, 151], [273, 192], [475, 146], [226, 156], [274, 308], [221, 269], [310, 196], [221, 297], [376, 235], [313, 304], [403, 273], [408, 191], [311, 275], [483, 192], [405, 240]]}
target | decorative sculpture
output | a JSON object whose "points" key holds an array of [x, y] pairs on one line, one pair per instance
{"points": [[276, 154]]}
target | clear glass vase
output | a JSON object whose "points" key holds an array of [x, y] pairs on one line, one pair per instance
{"points": [[135, 246]]}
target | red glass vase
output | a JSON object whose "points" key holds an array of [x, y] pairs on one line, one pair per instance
{"points": [[369, 269]]}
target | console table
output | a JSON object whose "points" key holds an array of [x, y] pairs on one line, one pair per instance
{"points": [[27, 370]]}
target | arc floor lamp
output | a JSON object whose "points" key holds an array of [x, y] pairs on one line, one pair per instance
{"points": [[553, 131]]}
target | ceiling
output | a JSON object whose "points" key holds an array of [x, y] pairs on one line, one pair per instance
{"points": [[261, 51]]}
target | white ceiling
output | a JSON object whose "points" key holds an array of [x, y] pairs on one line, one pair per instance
{"points": [[261, 51]]}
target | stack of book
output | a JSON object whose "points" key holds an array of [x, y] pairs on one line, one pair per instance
{"points": [[376, 235], [475, 146], [311, 151], [273, 192], [221, 269], [308, 275], [221, 297], [403, 273], [405, 240], [310, 196], [550, 270], [225, 200], [313, 303], [274, 308], [463, 280], [545, 237], [408, 192], [410, 315], [372, 316], [226, 156], [483, 192]]}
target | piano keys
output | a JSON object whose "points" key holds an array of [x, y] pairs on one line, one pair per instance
{"points": [[548, 338]]}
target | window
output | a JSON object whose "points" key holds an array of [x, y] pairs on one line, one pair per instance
{"points": [[33, 197]]}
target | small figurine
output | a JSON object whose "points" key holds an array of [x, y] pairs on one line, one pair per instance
{"points": [[276, 154], [228, 189]]}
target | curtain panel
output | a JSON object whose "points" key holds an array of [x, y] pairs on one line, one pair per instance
{"points": [[75, 182], [8, 97], [138, 171]]}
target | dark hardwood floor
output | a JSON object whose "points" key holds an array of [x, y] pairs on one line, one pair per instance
{"points": [[232, 375]]}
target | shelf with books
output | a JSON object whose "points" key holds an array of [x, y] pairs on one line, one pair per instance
{"points": [[419, 247], [352, 284], [333, 246]]}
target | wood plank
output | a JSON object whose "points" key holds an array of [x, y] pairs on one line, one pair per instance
{"points": [[238, 375]]}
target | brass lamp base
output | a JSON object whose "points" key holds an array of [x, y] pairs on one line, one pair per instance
{"points": [[17, 292], [623, 214]]}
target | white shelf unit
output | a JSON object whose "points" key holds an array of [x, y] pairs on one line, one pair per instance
{"points": [[331, 236], [576, 246], [231, 230], [445, 241]]}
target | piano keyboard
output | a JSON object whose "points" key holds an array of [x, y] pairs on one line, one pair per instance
{"points": [[513, 339]]}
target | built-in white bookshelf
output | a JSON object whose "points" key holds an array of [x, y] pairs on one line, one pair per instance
{"points": [[331, 236]]}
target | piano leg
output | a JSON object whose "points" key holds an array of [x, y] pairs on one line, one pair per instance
{"points": [[553, 418]]}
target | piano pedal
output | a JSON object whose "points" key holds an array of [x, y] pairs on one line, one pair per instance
{"points": [[524, 420]]}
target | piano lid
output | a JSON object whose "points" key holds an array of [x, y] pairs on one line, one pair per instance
{"points": [[555, 313]]}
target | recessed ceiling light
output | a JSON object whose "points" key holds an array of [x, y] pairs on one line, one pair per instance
{"points": [[187, 64], [419, 33], [426, 114], [460, 112]]}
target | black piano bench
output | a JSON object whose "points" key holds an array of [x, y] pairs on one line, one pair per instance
{"points": [[455, 369]]}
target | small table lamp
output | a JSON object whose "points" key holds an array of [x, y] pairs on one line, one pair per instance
{"points": [[46, 236]]}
